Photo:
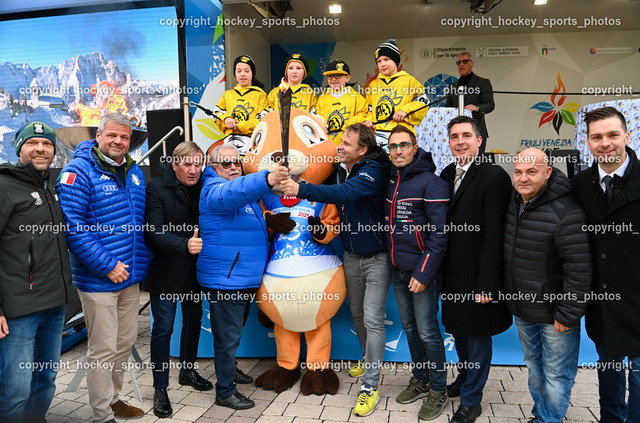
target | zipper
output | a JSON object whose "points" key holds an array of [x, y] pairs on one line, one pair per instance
{"points": [[236, 261], [392, 216], [31, 261]]}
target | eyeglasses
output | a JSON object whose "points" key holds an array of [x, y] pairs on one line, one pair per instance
{"points": [[403, 146], [465, 61], [227, 164], [335, 76]]}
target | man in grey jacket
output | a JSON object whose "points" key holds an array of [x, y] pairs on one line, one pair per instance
{"points": [[547, 272]]}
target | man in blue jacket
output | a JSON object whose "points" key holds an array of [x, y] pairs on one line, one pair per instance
{"points": [[416, 212], [102, 193], [234, 253], [359, 183]]}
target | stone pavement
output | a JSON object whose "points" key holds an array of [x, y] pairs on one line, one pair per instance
{"points": [[506, 396]]}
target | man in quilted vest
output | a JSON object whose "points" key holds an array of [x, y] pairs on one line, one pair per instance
{"points": [[102, 193]]}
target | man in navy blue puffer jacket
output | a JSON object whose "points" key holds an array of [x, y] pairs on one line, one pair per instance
{"points": [[416, 212], [235, 247], [102, 194]]}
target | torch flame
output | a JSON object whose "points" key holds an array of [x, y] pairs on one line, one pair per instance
{"points": [[108, 99], [557, 90]]}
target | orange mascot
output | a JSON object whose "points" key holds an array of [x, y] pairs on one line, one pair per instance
{"points": [[303, 286]]}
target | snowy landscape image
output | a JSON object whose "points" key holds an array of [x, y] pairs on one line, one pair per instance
{"points": [[84, 69]]}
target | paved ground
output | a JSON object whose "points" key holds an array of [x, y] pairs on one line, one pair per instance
{"points": [[506, 397]]}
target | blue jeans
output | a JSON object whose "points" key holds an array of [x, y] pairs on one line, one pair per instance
{"points": [[419, 316], [228, 310], [368, 284], [164, 313], [613, 386], [552, 362], [29, 362]]}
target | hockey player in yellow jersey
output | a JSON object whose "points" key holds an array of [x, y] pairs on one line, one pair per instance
{"points": [[296, 70], [341, 105], [240, 109], [395, 98]]}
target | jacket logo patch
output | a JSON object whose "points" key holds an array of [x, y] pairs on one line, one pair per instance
{"points": [[37, 197], [135, 180], [67, 178], [109, 188], [104, 177], [369, 177], [289, 200]]}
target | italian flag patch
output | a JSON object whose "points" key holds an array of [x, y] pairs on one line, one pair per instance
{"points": [[67, 178]]}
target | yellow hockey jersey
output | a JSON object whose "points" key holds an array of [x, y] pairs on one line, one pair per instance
{"points": [[302, 97], [340, 110], [387, 95], [246, 105]]}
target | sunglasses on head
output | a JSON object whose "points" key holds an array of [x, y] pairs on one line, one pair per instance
{"points": [[465, 61], [403, 146], [227, 163]]}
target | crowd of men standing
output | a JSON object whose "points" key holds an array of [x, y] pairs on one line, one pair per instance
{"points": [[531, 250]]}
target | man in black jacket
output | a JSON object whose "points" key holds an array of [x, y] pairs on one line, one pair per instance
{"points": [[478, 94], [547, 274], [358, 188], [35, 278], [610, 194], [171, 216], [472, 267]]}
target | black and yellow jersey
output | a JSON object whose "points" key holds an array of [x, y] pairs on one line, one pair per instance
{"points": [[341, 109]]}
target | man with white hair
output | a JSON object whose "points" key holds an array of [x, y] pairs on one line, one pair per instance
{"points": [[234, 253]]}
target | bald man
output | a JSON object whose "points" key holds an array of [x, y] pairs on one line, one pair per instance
{"points": [[547, 272]]}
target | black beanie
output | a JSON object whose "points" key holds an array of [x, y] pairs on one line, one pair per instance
{"points": [[249, 61], [389, 49], [296, 57]]}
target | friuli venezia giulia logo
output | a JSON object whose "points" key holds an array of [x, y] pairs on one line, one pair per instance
{"points": [[557, 111]]}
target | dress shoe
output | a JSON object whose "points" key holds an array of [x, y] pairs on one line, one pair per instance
{"points": [[466, 414], [453, 390], [161, 405], [122, 410], [242, 378], [236, 401], [192, 378]]}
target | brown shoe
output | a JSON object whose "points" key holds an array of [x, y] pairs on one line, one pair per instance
{"points": [[122, 410]]}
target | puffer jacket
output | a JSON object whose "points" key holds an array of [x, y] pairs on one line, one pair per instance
{"points": [[35, 273], [547, 256], [416, 212], [105, 220], [360, 201], [235, 243]]}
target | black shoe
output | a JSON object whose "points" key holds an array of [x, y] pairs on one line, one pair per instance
{"points": [[242, 378], [191, 377], [453, 390], [236, 401], [161, 405], [466, 414]]}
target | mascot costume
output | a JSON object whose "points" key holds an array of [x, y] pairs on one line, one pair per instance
{"points": [[303, 286]]}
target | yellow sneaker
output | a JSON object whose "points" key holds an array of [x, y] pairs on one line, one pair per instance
{"points": [[367, 401], [358, 369]]}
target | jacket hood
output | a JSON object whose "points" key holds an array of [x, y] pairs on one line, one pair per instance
{"points": [[422, 162], [557, 186], [83, 150], [376, 154], [25, 173]]}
